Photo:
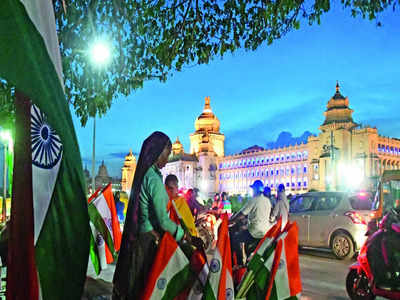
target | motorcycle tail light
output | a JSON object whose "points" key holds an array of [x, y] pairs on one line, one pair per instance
{"points": [[355, 217]]}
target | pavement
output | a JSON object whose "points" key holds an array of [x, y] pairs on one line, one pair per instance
{"points": [[99, 287]]}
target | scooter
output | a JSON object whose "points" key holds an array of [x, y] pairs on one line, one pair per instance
{"points": [[360, 281]]}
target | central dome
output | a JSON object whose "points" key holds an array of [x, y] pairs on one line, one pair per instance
{"points": [[207, 121]]}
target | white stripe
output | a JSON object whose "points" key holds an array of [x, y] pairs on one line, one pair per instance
{"points": [[101, 205], [214, 276], [41, 13], [230, 290], [281, 278], [176, 264], [196, 292]]}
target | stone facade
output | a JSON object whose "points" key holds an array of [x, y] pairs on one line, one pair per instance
{"points": [[343, 156]]}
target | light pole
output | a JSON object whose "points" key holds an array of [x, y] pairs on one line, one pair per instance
{"points": [[100, 55], [7, 140]]}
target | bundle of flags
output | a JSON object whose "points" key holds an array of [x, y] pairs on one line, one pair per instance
{"points": [[106, 233], [273, 271]]}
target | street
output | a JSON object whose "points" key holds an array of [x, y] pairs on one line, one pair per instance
{"points": [[323, 278]]}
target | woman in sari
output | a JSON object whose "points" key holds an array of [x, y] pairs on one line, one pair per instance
{"points": [[146, 219]]}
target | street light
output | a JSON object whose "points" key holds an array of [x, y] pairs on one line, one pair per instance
{"points": [[5, 136], [100, 55]]}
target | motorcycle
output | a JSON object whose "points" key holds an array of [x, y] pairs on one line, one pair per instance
{"points": [[207, 227], [364, 280]]}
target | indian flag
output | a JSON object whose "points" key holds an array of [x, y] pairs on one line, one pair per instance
{"points": [[104, 216], [220, 281], [286, 283], [170, 271], [260, 264], [49, 244]]}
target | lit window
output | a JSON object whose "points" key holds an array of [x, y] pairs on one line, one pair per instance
{"points": [[287, 157], [305, 170]]}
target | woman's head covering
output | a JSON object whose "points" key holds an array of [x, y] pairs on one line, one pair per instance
{"points": [[152, 147]]}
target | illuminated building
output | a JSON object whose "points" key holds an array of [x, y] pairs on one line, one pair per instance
{"points": [[343, 156], [128, 171]]}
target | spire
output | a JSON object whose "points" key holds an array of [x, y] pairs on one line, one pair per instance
{"points": [[130, 152], [207, 107], [338, 95], [177, 140]]}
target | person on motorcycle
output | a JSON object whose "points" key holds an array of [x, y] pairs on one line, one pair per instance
{"points": [[177, 206], [257, 210], [281, 208], [383, 251]]}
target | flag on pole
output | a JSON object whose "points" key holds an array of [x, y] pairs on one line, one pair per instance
{"points": [[170, 271], [220, 281], [49, 228], [103, 202]]}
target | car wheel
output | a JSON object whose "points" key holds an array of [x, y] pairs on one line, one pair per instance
{"points": [[342, 246]]}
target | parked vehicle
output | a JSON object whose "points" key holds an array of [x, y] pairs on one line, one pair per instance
{"points": [[377, 270], [334, 220], [388, 192]]}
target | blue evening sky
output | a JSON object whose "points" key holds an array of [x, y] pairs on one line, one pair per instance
{"points": [[256, 95]]}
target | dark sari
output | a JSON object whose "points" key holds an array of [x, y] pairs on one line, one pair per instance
{"points": [[137, 250]]}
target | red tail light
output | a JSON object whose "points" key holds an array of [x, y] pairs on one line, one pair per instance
{"points": [[355, 217]]}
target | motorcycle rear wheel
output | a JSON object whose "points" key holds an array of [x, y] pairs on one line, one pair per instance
{"points": [[357, 286]]}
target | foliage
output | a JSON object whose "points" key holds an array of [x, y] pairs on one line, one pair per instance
{"points": [[237, 202], [7, 109], [151, 39]]}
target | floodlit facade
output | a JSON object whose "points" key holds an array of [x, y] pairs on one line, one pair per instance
{"points": [[343, 156]]}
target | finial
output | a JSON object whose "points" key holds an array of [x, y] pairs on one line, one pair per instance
{"points": [[207, 107], [337, 86], [130, 152], [177, 140]]}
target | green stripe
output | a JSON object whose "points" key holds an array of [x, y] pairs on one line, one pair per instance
{"points": [[98, 222], [178, 283], [94, 255], [62, 250], [208, 292]]}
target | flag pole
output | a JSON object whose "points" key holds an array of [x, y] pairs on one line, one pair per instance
{"points": [[94, 155], [21, 266], [3, 213]]}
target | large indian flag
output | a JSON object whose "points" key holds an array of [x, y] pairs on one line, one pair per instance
{"points": [[49, 239]]}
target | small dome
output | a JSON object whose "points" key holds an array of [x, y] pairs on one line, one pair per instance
{"points": [[177, 147], [102, 170], [207, 121]]}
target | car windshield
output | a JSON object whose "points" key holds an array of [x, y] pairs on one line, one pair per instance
{"points": [[361, 201]]}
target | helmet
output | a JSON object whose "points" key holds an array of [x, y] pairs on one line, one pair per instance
{"points": [[267, 192], [257, 186]]}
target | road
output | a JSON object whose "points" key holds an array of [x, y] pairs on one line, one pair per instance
{"points": [[323, 278]]}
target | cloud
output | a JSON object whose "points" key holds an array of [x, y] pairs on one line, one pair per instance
{"points": [[118, 155], [268, 129]]}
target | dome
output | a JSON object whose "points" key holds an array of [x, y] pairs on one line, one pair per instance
{"points": [[207, 121], [177, 147], [102, 170]]}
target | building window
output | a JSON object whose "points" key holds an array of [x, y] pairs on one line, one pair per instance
{"points": [[305, 155], [292, 172], [282, 157], [305, 170], [287, 157]]}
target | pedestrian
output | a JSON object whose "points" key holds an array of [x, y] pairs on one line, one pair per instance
{"points": [[226, 204], [146, 219], [281, 208]]}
